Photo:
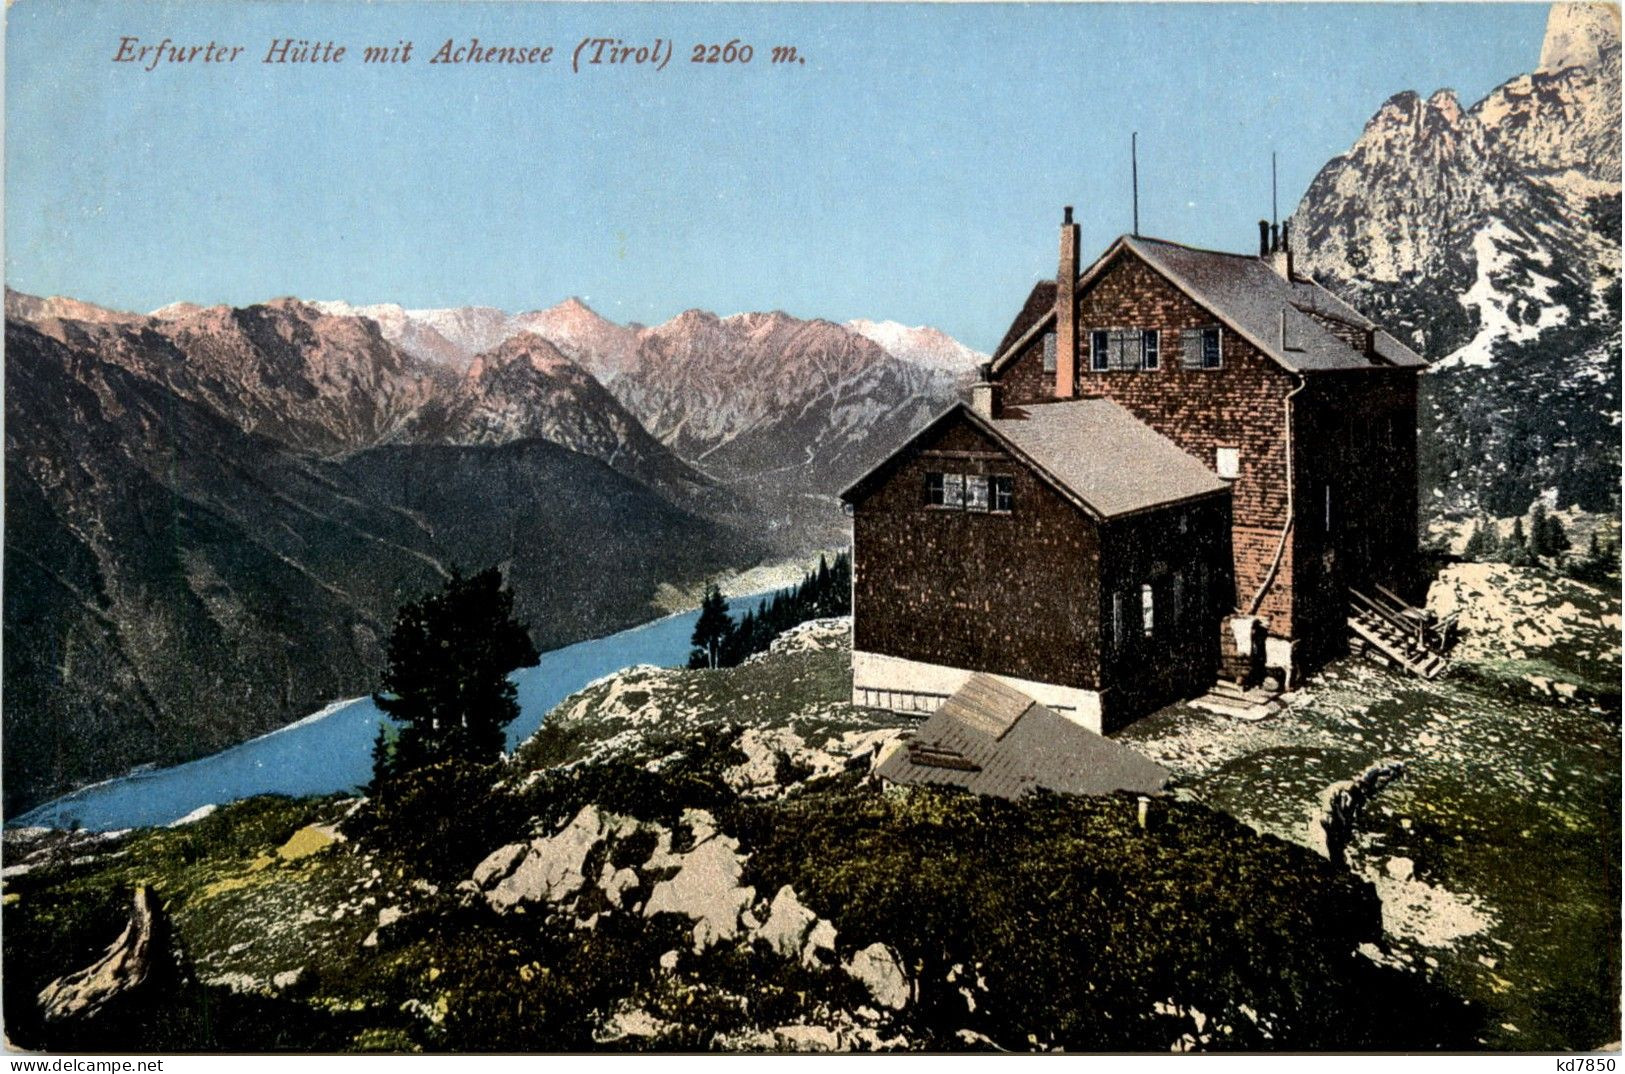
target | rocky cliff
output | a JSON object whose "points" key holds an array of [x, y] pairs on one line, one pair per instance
{"points": [[1489, 237]]}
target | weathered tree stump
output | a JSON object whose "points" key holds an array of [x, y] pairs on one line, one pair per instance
{"points": [[131, 964]]}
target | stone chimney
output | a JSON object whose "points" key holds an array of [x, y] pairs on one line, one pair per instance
{"points": [[1066, 311], [1281, 255], [987, 395]]}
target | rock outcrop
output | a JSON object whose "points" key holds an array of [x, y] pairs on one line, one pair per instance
{"points": [[878, 969]]}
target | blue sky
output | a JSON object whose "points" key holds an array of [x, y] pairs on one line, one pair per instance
{"points": [[913, 168]]}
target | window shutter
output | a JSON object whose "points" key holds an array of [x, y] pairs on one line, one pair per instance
{"points": [[1190, 348]]}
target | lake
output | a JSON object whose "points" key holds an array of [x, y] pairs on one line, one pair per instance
{"points": [[331, 750]]}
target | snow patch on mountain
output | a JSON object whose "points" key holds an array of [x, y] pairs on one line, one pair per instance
{"points": [[1495, 254], [921, 345]]}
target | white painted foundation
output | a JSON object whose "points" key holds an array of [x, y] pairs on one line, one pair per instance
{"points": [[890, 682]]}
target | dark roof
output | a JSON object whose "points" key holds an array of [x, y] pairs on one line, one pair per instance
{"points": [[990, 738], [1246, 293], [1040, 302], [1250, 295], [1092, 451], [1113, 461]]}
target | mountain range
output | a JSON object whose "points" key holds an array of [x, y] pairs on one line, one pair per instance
{"points": [[213, 512], [1489, 236]]}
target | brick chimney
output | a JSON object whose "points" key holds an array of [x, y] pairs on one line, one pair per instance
{"points": [[1066, 311], [1263, 240], [987, 395]]}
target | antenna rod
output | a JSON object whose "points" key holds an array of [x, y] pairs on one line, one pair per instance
{"points": [[1275, 213], [1134, 165]]}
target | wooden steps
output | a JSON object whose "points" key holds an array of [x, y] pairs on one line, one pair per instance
{"points": [[1401, 636]]}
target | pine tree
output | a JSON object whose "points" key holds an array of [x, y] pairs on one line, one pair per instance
{"points": [[1538, 531], [711, 631], [1556, 541], [447, 684], [1515, 549], [383, 757]]}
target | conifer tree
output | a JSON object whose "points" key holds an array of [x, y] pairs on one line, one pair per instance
{"points": [[447, 684], [711, 631]]}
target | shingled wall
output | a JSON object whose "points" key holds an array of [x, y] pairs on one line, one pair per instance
{"points": [[1239, 405], [1011, 594]]}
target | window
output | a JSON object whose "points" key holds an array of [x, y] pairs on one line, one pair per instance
{"points": [[1004, 493], [1049, 352], [1200, 348], [1328, 508], [1099, 342], [1124, 348], [975, 492], [1176, 599], [970, 492], [1147, 609], [1115, 642], [1227, 460]]}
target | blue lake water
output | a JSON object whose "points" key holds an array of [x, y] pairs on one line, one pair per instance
{"points": [[331, 750]]}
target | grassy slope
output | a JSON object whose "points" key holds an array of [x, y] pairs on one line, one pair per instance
{"points": [[1508, 815]]}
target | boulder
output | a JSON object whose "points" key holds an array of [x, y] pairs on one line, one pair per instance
{"points": [[787, 924], [547, 869], [706, 890], [498, 864], [879, 970], [805, 1038], [616, 883], [133, 963], [819, 950]]}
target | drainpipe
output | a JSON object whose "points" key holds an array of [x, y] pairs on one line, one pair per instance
{"points": [[1286, 530]]}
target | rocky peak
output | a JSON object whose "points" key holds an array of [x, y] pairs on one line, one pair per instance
{"points": [[528, 348], [1490, 236], [23, 307], [1580, 35]]}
